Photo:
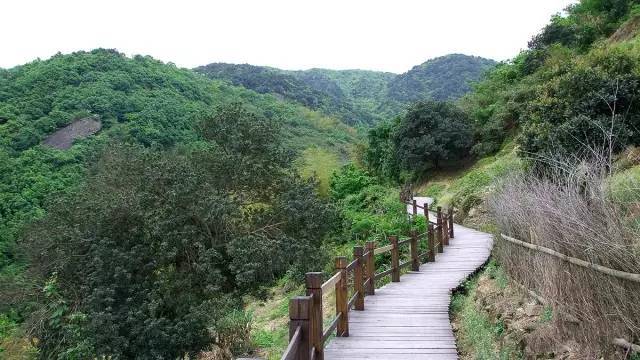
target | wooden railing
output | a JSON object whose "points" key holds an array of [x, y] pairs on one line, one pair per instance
{"points": [[307, 334]]}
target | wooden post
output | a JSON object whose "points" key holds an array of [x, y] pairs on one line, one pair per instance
{"points": [[431, 241], [342, 297], [299, 316], [445, 230], [395, 259], [415, 260], [371, 268], [415, 209], [314, 289], [358, 278], [451, 222], [426, 213], [439, 238]]}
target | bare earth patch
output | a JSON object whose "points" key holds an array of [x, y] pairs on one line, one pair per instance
{"points": [[79, 129]]}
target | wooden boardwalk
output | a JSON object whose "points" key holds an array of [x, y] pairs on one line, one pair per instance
{"points": [[410, 319]]}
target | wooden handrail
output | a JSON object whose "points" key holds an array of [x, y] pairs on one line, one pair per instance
{"points": [[334, 323], [384, 273], [603, 269], [329, 285], [294, 344], [352, 301], [382, 250], [306, 334], [352, 265]]}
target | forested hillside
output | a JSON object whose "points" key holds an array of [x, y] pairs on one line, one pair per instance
{"points": [[360, 96], [443, 78], [163, 130]]}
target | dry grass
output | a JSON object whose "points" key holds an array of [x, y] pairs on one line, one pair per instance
{"points": [[572, 211]]}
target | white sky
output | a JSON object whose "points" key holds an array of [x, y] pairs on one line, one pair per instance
{"points": [[390, 35]]}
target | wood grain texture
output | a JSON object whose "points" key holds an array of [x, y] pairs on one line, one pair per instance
{"points": [[410, 319]]}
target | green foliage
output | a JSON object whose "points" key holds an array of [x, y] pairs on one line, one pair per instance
{"points": [[144, 259], [441, 79], [351, 95], [138, 100], [547, 314], [583, 103], [570, 92], [370, 210], [478, 334], [320, 164], [380, 156], [432, 132], [470, 187], [359, 96], [349, 180], [586, 22]]}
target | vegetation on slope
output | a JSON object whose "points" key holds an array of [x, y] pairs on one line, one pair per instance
{"points": [[359, 96], [569, 100], [443, 78], [144, 103]]}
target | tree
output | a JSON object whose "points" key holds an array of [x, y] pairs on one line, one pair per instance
{"points": [[430, 133], [145, 258]]}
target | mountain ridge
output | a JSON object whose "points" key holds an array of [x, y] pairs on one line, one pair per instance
{"points": [[357, 96]]}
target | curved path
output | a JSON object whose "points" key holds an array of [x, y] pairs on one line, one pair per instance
{"points": [[410, 319]]}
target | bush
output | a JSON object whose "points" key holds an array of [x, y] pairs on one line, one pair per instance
{"points": [[571, 211], [349, 180]]}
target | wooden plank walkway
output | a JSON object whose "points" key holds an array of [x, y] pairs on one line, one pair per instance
{"points": [[410, 319]]}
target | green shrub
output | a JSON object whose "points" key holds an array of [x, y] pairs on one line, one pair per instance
{"points": [[348, 180]]}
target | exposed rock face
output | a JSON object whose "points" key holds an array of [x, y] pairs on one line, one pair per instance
{"points": [[79, 129]]}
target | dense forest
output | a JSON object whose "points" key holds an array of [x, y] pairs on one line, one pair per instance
{"points": [[359, 96]]}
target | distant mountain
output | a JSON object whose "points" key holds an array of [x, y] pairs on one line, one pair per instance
{"points": [[358, 96], [443, 78], [329, 98], [365, 91]]}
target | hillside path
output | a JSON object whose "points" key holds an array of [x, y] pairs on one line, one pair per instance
{"points": [[410, 319]]}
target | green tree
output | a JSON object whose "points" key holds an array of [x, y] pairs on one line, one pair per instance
{"points": [[430, 133], [145, 258]]}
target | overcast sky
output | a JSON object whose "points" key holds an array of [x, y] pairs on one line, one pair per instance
{"points": [[390, 35]]}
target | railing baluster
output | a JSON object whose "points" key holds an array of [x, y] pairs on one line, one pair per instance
{"points": [[415, 261], [358, 281], [342, 297], [395, 259], [314, 289], [371, 268]]}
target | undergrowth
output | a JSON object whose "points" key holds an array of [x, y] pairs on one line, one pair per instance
{"points": [[477, 334], [468, 189]]}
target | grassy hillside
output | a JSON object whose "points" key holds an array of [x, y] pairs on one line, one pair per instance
{"points": [[138, 100]]}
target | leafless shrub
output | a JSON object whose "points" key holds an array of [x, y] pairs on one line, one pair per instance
{"points": [[571, 210]]}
